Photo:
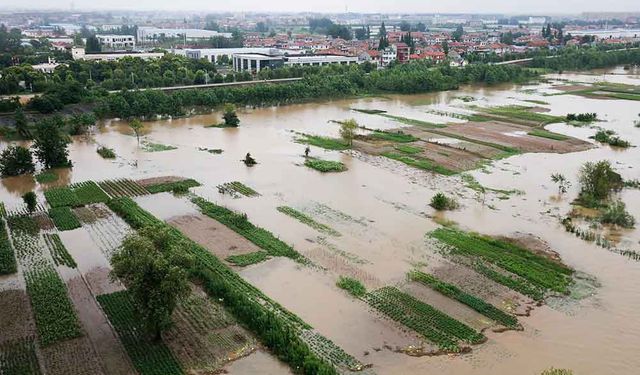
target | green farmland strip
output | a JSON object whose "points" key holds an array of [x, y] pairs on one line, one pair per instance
{"points": [[58, 251], [148, 356], [18, 357], [64, 218], [243, 260], [170, 186], [419, 162], [7, 255], [307, 220]]}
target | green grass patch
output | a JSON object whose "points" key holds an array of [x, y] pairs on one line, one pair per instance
{"points": [[510, 281], [156, 147], [327, 143], [414, 122], [307, 220], [75, 195], [534, 101], [64, 218], [7, 255], [547, 134], [55, 317], [418, 162], [325, 165], [243, 260], [473, 302], [106, 153], [397, 136], [171, 186], [46, 177], [411, 150], [149, 357], [539, 270], [58, 251], [241, 225], [434, 325], [353, 286]]}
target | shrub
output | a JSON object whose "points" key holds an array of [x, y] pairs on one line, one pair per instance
{"points": [[617, 214], [230, 117], [441, 202], [598, 180], [609, 137], [16, 160]]}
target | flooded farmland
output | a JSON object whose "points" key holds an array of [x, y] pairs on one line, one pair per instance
{"points": [[369, 223]]}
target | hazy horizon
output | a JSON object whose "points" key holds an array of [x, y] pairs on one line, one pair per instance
{"points": [[337, 6]]}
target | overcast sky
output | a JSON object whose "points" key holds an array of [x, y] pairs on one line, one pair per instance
{"points": [[395, 6]]}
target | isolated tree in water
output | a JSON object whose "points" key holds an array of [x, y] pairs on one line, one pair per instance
{"points": [[21, 124], [50, 144], [136, 126], [348, 130], [230, 117], [30, 200], [153, 269]]}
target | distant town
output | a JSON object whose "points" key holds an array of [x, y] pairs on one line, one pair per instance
{"points": [[253, 42]]}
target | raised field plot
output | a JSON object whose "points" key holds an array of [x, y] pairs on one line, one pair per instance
{"points": [[64, 218], [538, 270], [236, 188], [122, 188], [149, 357], [433, 324], [75, 195]]}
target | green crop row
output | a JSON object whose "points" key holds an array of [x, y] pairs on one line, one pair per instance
{"points": [[58, 251], [323, 142], [547, 134], [234, 187], [23, 223], [243, 260], [61, 196], [170, 186], [55, 317], [307, 220], [473, 302], [391, 136], [149, 357], [64, 218], [516, 283], [539, 270], [351, 285], [276, 327], [7, 255], [18, 357], [122, 188], [433, 324], [239, 224]]}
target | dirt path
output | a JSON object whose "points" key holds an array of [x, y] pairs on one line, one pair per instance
{"points": [[113, 356]]}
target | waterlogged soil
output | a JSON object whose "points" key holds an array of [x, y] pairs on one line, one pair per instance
{"points": [[346, 321], [214, 236], [386, 218]]}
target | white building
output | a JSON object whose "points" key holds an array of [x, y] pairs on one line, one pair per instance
{"points": [[78, 53], [319, 60], [255, 62], [147, 33], [213, 54], [388, 55], [117, 42]]}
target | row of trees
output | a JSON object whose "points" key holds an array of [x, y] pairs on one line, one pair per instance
{"points": [[330, 81]]}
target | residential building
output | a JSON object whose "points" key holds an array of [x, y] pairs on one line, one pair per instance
{"points": [[402, 52], [388, 55]]}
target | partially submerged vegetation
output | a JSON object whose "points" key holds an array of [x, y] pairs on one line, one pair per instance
{"points": [[325, 165], [547, 134], [538, 270], [473, 302], [307, 220], [351, 285], [236, 187], [181, 185], [419, 162], [442, 202], [323, 142], [609, 137], [243, 260], [106, 152]]}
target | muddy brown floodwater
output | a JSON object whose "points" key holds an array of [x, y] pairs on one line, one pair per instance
{"points": [[380, 208]]}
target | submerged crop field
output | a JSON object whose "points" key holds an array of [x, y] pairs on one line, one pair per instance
{"points": [[311, 245]]}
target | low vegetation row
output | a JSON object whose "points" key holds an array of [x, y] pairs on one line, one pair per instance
{"points": [[307, 220]]}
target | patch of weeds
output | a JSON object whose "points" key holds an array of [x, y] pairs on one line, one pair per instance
{"points": [[325, 165], [46, 177], [243, 260], [353, 286], [156, 147]]}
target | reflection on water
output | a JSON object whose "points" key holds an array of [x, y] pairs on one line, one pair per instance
{"points": [[597, 335]]}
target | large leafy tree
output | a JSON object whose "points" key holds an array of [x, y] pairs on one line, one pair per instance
{"points": [[50, 143], [348, 130], [16, 160], [153, 271], [598, 180]]}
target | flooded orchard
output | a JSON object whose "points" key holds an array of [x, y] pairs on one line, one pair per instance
{"points": [[372, 223]]}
